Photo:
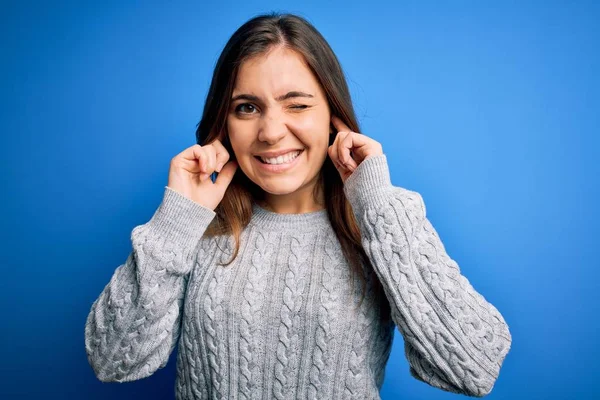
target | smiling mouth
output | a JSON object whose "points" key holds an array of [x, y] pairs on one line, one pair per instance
{"points": [[283, 161]]}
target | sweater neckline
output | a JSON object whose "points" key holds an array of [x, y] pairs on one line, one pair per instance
{"points": [[264, 218]]}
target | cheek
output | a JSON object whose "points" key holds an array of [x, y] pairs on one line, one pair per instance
{"points": [[314, 129], [237, 136], [309, 122]]}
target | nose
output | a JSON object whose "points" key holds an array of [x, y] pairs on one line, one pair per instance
{"points": [[272, 128]]}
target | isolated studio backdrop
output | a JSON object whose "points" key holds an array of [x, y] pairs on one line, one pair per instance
{"points": [[488, 109]]}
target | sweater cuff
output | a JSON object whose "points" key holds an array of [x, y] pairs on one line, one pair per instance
{"points": [[181, 219], [370, 184]]}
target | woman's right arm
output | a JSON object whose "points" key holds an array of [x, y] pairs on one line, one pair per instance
{"points": [[133, 326]]}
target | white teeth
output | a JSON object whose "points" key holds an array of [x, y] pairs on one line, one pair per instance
{"points": [[284, 159]]}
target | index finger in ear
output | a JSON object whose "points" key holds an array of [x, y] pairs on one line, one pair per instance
{"points": [[339, 124]]}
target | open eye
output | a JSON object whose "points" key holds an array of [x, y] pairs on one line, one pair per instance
{"points": [[239, 108]]}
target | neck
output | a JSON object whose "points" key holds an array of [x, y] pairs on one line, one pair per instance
{"points": [[297, 224]]}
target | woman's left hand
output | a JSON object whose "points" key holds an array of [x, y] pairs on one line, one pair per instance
{"points": [[350, 148]]}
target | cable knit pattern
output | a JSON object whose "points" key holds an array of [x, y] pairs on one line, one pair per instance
{"points": [[355, 377], [250, 329], [289, 329], [215, 327], [132, 327], [191, 381], [462, 338], [280, 321], [381, 352], [329, 298]]}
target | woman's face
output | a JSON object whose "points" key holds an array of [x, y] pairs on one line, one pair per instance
{"points": [[278, 106]]}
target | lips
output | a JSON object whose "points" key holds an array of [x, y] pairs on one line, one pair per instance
{"points": [[260, 158], [276, 169], [273, 154]]}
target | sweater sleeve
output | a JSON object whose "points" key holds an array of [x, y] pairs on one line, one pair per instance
{"points": [[133, 326], [454, 339]]}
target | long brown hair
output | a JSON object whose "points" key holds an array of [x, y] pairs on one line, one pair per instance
{"points": [[256, 37]]}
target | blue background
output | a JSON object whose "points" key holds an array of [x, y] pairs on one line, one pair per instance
{"points": [[489, 109]]}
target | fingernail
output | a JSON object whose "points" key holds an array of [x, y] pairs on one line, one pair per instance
{"points": [[219, 166]]}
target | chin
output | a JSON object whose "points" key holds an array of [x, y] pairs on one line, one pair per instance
{"points": [[280, 189]]}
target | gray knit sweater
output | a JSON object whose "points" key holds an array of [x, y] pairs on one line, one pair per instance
{"points": [[281, 321]]}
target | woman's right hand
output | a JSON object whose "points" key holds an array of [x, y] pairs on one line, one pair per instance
{"points": [[190, 170]]}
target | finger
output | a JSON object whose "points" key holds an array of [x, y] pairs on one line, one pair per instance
{"points": [[211, 159], [206, 168], [222, 155], [190, 154], [226, 175], [344, 148], [333, 154], [190, 159], [197, 157], [200, 154], [201, 159], [362, 146], [339, 124]]}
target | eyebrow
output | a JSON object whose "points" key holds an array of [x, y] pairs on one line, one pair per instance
{"points": [[286, 96]]}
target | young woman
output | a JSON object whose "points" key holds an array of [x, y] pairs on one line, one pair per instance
{"points": [[285, 276]]}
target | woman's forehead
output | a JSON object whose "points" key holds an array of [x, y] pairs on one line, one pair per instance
{"points": [[275, 73]]}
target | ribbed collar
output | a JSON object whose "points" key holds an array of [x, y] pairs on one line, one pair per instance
{"points": [[264, 218]]}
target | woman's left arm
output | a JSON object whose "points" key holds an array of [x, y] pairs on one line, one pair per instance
{"points": [[454, 339]]}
